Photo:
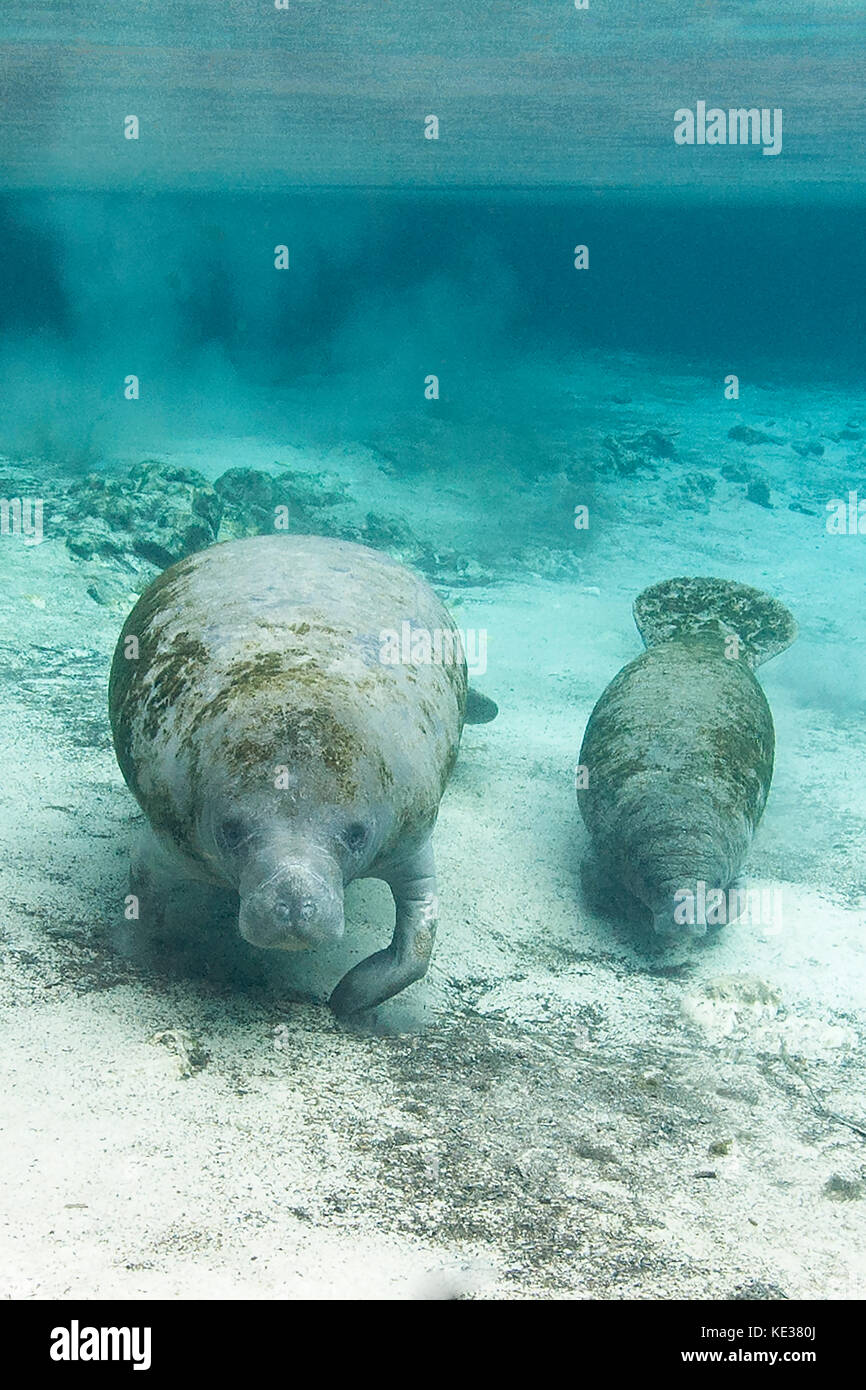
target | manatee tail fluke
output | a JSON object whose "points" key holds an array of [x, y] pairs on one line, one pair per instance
{"points": [[480, 709], [715, 609]]}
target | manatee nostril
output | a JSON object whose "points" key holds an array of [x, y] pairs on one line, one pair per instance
{"points": [[356, 836], [308, 907], [233, 832], [283, 914]]}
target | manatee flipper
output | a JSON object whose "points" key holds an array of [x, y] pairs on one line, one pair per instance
{"points": [[480, 709], [375, 979], [714, 611], [166, 894], [156, 874]]}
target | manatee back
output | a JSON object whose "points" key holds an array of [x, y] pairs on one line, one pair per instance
{"points": [[715, 610], [269, 651]]}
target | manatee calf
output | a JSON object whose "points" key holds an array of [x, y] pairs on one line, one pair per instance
{"points": [[279, 748], [677, 756]]}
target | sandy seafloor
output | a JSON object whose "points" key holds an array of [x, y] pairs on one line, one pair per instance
{"points": [[560, 1108]]}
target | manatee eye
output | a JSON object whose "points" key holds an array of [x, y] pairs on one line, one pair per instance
{"points": [[355, 836], [233, 832]]}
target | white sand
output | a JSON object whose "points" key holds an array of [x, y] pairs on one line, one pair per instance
{"points": [[559, 1109]]}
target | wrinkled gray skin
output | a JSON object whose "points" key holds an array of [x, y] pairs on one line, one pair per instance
{"points": [[679, 748], [273, 751]]}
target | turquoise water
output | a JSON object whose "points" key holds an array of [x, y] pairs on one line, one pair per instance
{"points": [[385, 287]]}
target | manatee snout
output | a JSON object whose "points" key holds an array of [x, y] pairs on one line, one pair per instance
{"points": [[298, 906], [674, 917], [674, 869]]}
